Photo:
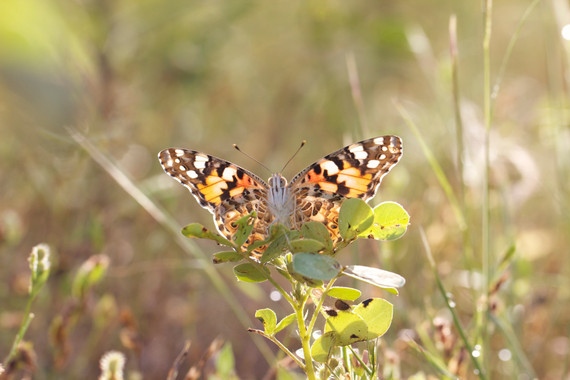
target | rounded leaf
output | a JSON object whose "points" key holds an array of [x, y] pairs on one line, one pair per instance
{"points": [[286, 321], [248, 272], [377, 313], [275, 249], [344, 293], [322, 347], [305, 245], [374, 276], [317, 231], [348, 327], [244, 228], [197, 230], [391, 221], [226, 257], [355, 217], [315, 266], [269, 320]]}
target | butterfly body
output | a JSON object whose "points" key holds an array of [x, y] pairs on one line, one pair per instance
{"points": [[230, 192]]}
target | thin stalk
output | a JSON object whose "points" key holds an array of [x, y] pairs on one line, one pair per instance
{"points": [[281, 346], [451, 307], [22, 331], [319, 306], [509, 50], [305, 336], [436, 167], [485, 219], [281, 291], [459, 136], [514, 345], [356, 91], [453, 50], [366, 368]]}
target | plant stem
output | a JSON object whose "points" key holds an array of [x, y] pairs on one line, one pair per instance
{"points": [[305, 335], [23, 328], [451, 307], [485, 220], [281, 346]]}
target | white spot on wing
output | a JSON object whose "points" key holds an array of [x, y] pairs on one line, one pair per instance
{"points": [[330, 167], [373, 164], [360, 155], [228, 173], [356, 148], [379, 140], [192, 174]]}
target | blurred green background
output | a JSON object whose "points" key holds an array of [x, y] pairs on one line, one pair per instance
{"points": [[135, 77]]}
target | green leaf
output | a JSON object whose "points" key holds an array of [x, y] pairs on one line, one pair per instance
{"points": [[305, 245], [225, 362], [507, 258], [227, 257], [244, 228], [278, 242], [377, 277], [197, 230], [285, 322], [256, 244], [315, 266], [348, 327], [318, 231], [355, 217], [377, 313], [391, 221], [276, 248], [344, 293], [322, 347], [248, 272], [89, 274], [269, 320]]}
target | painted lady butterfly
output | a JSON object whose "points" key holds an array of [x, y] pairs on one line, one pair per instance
{"points": [[230, 192]]}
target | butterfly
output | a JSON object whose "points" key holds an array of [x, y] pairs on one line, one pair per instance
{"points": [[231, 192]]}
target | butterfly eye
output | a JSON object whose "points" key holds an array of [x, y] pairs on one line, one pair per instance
{"points": [[277, 180]]}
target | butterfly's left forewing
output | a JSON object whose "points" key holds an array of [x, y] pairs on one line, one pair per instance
{"points": [[228, 191]]}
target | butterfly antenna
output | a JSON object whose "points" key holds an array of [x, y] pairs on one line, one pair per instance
{"points": [[294, 154], [250, 157]]}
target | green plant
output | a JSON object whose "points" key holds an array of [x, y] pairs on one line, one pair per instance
{"points": [[22, 355], [304, 257]]}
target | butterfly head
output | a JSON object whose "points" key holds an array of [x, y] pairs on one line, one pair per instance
{"points": [[277, 181]]}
